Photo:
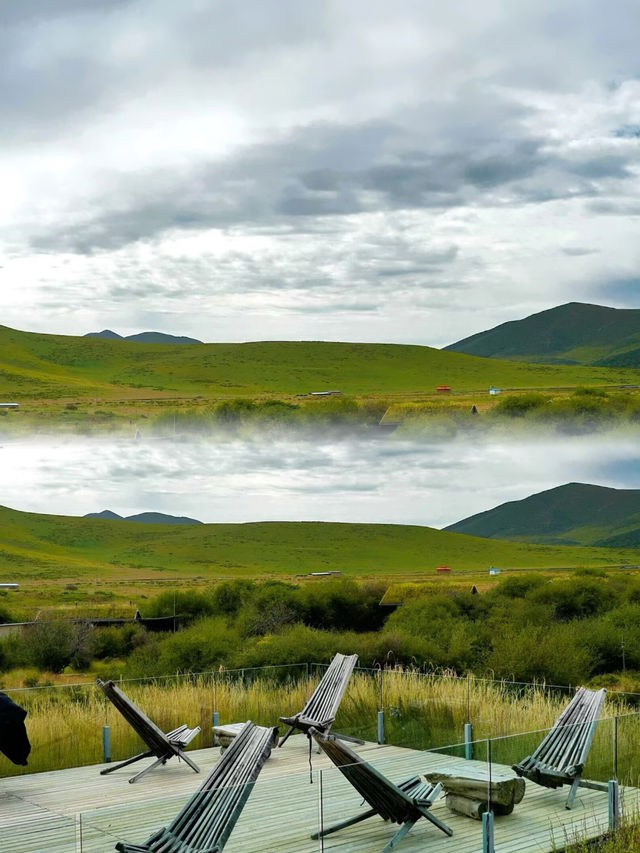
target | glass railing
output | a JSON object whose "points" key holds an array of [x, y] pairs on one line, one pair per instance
{"points": [[300, 795]]}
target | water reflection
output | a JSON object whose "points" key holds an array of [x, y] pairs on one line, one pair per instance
{"points": [[374, 480]]}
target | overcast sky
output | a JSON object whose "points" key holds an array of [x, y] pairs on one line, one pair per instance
{"points": [[391, 481], [411, 171]]}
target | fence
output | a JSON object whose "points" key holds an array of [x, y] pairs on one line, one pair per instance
{"points": [[70, 725], [286, 809]]}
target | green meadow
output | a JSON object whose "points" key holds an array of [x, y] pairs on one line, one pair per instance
{"points": [[52, 367], [91, 563]]}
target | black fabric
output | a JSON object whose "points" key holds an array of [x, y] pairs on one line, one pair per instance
{"points": [[14, 742]]}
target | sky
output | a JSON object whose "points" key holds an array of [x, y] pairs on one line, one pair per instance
{"points": [[412, 171], [378, 481]]}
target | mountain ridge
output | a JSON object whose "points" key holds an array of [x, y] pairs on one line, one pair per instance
{"points": [[145, 517], [571, 514], [144, 337], [573, 333]]}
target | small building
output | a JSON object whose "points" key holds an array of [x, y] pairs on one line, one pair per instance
{"points": [[443, 389], [9, 405], [493, 570], [493, 391], [443, 569]]}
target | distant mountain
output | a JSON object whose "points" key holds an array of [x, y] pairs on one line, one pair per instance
{"points": [[573, 514], [147, 517], [106, 513], [575, 333], [145, 337]]}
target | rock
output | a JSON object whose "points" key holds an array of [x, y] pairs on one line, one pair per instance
{"points": [[507, 789]]}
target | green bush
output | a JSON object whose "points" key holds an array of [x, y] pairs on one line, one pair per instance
{"points": [[188, 605], [520, 405]]}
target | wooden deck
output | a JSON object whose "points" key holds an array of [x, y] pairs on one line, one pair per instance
{"points": [[67, 811]]}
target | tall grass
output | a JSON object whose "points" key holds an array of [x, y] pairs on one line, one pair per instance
{"points": [[421, 712]]}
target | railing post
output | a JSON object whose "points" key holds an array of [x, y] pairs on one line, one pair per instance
{"points": [[489, 803], [320, 812], [215, 721], [615, 747], [380, 726], [614, 805], [488, 845], [106, 744], [468, 741]]}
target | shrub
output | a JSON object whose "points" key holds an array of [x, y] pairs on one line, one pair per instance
{"points": [[520, 405], [53, 644], [189, 605]]}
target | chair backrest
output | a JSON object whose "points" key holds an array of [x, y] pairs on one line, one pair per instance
{"points": [[208, 818], [566, 746], [154, 737], [383, 796], [324, 702]]}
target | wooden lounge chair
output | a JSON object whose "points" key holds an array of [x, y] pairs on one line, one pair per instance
{"points": [[561, 756], [205, 823], [321, 708], [163, 746], [404, 803]]}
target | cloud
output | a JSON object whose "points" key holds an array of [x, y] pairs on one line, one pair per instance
{"points": [[312, 173], [382, 481], [408, 171], [623, 291]]}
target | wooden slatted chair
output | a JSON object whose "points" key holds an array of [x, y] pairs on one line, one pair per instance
{"points": [[561, 756], [321, 708], [163, 745], [404, 803], [205, 823]]}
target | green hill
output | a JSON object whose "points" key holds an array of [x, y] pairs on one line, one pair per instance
{"points": [[38, 366], [575, 333], [576, 513], [51, 546]]}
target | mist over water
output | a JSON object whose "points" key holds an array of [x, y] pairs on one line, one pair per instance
{"points": [[381, 480]]}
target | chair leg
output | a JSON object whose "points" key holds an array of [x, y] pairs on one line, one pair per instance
{"points": [[189, 761], [400, 834], [284, 739], [435, 820], [125, 763], [146, 770], [572, 793], [345, 823], [347, 737]]}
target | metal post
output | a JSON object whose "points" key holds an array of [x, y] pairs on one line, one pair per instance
{"points": [[489, 777], [468, 741], [615, 747], [106, 744], [488, 845], [320, 813], [468, 697], [380, 726], [614, 805], [381, 699]]}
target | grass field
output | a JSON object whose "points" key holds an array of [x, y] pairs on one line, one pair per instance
{"points": [[421, 712], [39, 366], [90, 563]]}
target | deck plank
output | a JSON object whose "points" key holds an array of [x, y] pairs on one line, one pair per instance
{"points": [[42, 811]]}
